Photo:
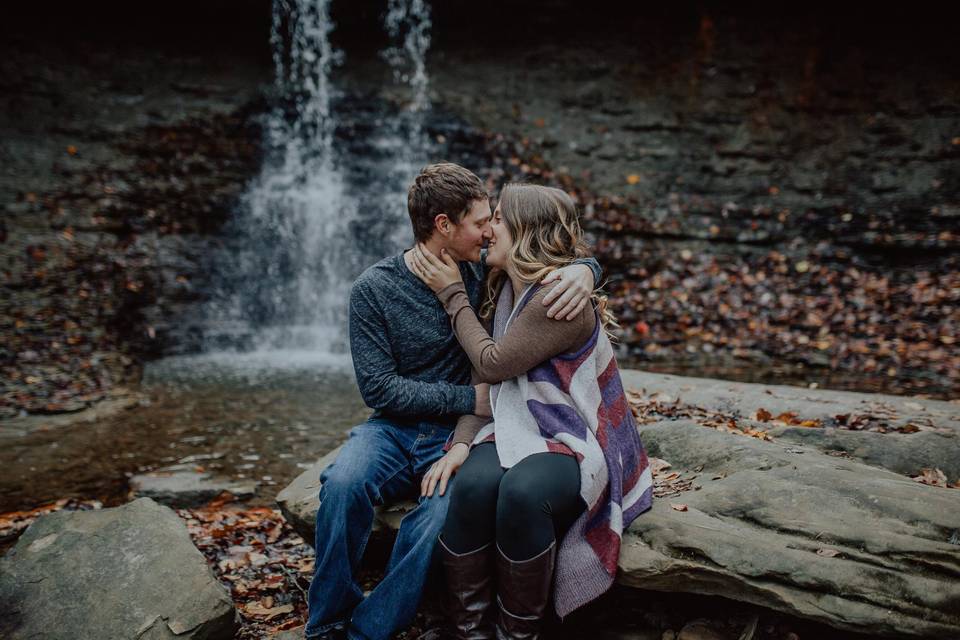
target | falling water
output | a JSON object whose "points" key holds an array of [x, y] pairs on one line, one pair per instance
{"points": [[303, 232]]}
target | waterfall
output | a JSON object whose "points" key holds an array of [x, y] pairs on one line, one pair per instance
{"points": [[306, 228]]}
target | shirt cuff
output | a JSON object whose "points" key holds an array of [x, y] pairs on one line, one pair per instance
{"points": [[465, 399]]}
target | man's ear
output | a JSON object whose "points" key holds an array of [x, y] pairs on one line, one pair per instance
{"points": [[443, 224]]}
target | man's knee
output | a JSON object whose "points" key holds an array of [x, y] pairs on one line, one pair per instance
{"points": [[340, 481], [436, 505], [348, 483], [350, 475]]}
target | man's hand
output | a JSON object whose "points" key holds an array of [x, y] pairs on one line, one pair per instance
{"points": [[436, 273], [482, 407], [441, 470], [571, 293]]}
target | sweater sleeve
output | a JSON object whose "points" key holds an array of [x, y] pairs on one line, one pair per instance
{"points": [[531, 338], [381, 386], [469, 425]]}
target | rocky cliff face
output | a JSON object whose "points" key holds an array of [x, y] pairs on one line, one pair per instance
{"points": [[742, 142]]}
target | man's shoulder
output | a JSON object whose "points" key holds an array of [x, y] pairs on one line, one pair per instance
{"points": [[378, 275]]}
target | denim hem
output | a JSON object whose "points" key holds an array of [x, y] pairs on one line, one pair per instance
{"points": [[338, 625]]}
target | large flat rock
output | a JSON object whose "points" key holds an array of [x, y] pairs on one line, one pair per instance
{"points": [[933, 440], [793, 529], [847, 542], [130, 572]]}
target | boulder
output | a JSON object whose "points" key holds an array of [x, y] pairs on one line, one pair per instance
{"points": [[181, 486], [935, 424], [126, 572]]}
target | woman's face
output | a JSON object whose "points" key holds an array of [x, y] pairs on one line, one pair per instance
{"points": [[500, 242]]}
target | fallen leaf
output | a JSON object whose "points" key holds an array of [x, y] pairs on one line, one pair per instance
{"points": [[678, 507], [257, 610], [932, 477]]}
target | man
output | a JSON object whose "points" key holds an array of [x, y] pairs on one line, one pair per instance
{"points": [[413, 373]]}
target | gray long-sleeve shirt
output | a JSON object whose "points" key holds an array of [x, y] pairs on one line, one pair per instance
{"points": [[408, 363]]}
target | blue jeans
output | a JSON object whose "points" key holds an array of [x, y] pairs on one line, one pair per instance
{"points": [[380, 463]]}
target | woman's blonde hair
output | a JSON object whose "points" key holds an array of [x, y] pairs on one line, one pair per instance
{"points": [[545, 228]]}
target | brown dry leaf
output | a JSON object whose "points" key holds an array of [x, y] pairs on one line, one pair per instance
{"points": [[763, 415], [787, 416], [678, 507], [258, 610], [809, 423], [657, 465], [933, 477]]}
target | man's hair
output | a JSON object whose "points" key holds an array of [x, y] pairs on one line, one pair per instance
{"points": [[443, 187]]}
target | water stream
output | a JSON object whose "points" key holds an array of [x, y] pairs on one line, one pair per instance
{"points": [[299, 238], [273, 388]]}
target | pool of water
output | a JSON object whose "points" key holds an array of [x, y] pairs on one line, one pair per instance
{"points": [[262, 417]]}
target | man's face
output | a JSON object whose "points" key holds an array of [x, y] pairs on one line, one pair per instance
{"points": [[467, 238]]}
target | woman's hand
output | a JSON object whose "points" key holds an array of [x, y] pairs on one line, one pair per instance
{"points": [[572, 291], [441, 470], [435, 272]]}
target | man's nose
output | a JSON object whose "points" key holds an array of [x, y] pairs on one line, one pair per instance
{"points": [[487, 233]]}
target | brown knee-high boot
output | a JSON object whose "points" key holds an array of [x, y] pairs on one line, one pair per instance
{"points": [[523, 590], [469, 596]]}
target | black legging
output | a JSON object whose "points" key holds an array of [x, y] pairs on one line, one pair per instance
{"points": [[525, 508]]}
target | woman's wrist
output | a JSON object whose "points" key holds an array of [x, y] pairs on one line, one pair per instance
{"points": [[450, 289]]}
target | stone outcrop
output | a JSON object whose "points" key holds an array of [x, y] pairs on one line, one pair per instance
{"points": [[799, 531], [127, 572], [847, 541], [920, 433]]}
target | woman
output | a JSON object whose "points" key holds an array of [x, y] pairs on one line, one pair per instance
{"points": [[545, 489]]}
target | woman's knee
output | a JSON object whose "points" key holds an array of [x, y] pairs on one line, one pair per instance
{"points": [[518, 498], [475, 488]]}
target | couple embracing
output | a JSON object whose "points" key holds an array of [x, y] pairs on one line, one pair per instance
{"points": [[497, 398]]}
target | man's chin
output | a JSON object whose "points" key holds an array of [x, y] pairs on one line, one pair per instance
{"points": [[473, 256]]}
